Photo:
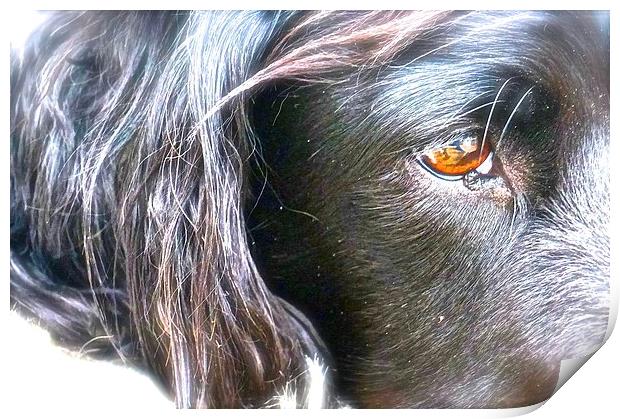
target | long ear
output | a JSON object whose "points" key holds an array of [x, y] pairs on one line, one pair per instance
{"points": [[127, 179]]}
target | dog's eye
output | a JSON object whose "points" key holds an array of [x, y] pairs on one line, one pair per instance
{"points": [[457, 159]]}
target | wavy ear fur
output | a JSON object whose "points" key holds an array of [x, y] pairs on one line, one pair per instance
{"points": [[127, 184]]}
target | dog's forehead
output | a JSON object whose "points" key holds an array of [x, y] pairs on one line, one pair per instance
{"points": [[546, 41], [543, 29], [553, 45]]}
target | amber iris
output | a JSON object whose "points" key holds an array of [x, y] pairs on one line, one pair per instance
{"points": [[458, 158]]}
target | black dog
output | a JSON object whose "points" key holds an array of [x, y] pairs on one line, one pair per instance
{"points": [[418, 199]]}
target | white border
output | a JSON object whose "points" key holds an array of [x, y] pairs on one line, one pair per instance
{"points": [[593, 389]]}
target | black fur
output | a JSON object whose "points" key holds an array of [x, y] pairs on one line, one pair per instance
{"points": [[176, 177]]}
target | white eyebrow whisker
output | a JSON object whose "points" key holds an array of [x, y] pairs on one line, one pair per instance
{"points": [[511, 115], [456, 117], [456, 114], [486, 129]]}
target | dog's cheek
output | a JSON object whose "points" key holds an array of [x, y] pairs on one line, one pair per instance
{"points": [[429, 292], [478, 299]]}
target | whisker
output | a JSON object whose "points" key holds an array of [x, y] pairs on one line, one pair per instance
{"points": [[477, 108], [456, 114], [511, 115], [486, 129]]}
